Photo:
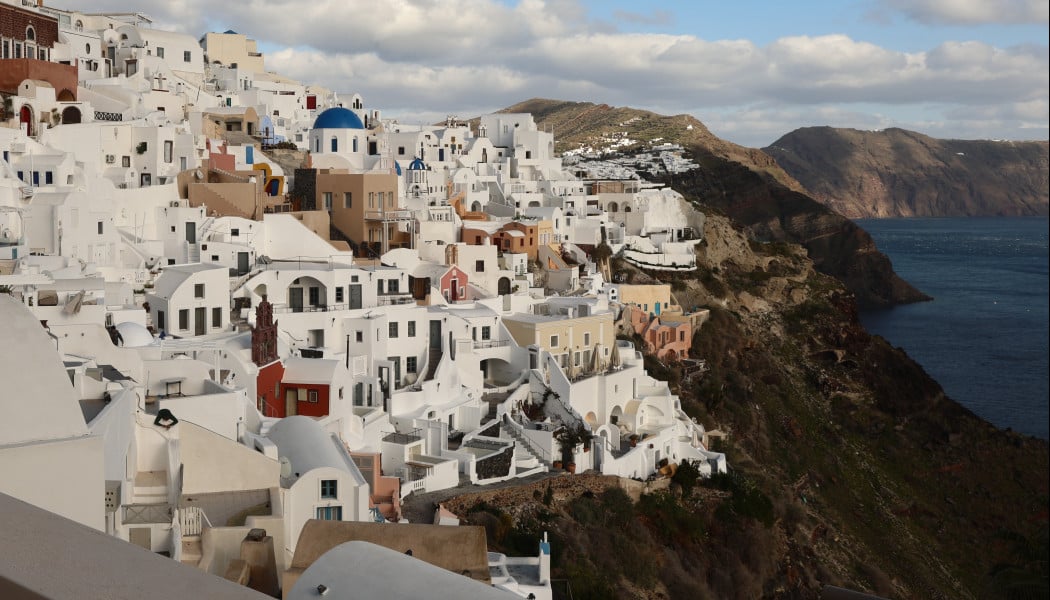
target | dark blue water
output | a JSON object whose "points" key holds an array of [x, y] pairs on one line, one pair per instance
{"points": [[984, 337]]}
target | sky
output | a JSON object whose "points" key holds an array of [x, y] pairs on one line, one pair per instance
{"points": [[750, 70]]}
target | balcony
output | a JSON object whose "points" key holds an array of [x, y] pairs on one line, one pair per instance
{"points": [[479, 345], [389, 216]]}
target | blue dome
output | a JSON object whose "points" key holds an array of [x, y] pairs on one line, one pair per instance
{"points": [[338, 118], [417, 165], [397, 167]]}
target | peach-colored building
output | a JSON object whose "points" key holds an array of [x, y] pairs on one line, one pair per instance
{"points": [[364, 206]]}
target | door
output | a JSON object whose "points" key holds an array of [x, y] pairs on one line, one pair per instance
{"points": [[290, 397], [141, 537], [191, 232], [435, 335], [200, 321], [242, 263], [355, 295], [295, 299], [397, 371]]}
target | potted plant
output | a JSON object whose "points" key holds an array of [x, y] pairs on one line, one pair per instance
{"points": [[557, 464], [571, 468]]}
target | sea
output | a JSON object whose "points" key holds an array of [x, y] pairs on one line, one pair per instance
{"points": [[984, 337]]}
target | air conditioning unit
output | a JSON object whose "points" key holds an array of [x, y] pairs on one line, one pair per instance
{"points": [[110, 159]]}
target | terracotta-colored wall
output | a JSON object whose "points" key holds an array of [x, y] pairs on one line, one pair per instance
{"points": [[13, 71], [267, 384], [310, 409], [474, 237], [446, 283]]}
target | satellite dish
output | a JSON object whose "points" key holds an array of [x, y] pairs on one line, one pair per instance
{"points": [[286, 467], [198, 174]]}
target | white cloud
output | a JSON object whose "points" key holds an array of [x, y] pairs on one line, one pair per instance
{"points": [[472, 56], [973, 12]]}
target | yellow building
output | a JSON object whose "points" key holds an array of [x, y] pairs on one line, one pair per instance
{"points": [[578, 343]]}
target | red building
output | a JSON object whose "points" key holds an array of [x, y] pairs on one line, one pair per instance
{"points": [[307, 386]]}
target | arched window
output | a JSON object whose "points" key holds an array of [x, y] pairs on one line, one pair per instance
{"points": [[335, 144], [80, 25], [30, 34], [355, 144]]}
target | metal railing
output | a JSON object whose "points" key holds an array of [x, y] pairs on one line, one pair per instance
{"points": [[490, 344]]}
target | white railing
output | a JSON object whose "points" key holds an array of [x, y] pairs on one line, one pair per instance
{"points": [[192, 520]]}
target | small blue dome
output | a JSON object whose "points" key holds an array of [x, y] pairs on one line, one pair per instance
{"points": [[397, 168], [338, 118], [417, 165]]}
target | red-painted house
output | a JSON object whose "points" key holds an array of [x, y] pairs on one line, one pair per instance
{"points": [[310, 385]]}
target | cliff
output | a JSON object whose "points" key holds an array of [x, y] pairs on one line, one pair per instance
{"points": [[849, 466], [900, 173], [771, 212]]}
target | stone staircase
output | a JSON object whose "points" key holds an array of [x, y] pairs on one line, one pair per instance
{"points": [[192, 550], [433, 358], [525, 445]]}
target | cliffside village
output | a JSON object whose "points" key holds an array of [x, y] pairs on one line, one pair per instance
{"points": [[244, 318]]}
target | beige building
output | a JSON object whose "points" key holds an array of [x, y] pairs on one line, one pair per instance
{"points": [[573, 340], [233, 50], [653, 299]]}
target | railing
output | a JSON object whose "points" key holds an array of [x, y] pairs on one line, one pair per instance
{"points": [[108, 116], [518, 433], [141, 514], [491, 344], [192, 520], [396, 437], [392, 299], [284, 308]]}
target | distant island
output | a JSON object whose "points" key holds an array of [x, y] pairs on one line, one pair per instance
{"points": [[900, 173]]}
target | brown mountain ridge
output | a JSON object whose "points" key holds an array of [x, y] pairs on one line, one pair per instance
{"points": [[901, 173]]}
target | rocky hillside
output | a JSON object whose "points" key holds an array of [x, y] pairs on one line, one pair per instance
{"points": [[900, 173], [850, 467], [577, 124], [771, 212]]}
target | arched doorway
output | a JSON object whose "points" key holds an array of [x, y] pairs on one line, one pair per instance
{"points": [[70, 114], [25, 120], [503, 286], [66, 95]]}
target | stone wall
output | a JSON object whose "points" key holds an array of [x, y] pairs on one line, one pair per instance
{"points": [[497, 465]]}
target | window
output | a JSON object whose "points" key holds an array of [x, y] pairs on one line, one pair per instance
{"points": [[335, 145], [100, 227], [586, 339], [216, 317], [327, 200], [371, 199], [554, 341], [329, 488], [235, 232], [187, 56], [410, 364], [348, 199], [168, 147], [49, 178], [479, 266], [311, 396], [359, 336], [401, 150], [160, 52], [125, 161], [30, 34], [411, 329], [339, 295], [315, 296], [161, 320], [379, 286], [486, 333], [393, 330], [393, 286], [198, 290], [382, 197], [184, 319], [576, 359], [330, 513]]}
